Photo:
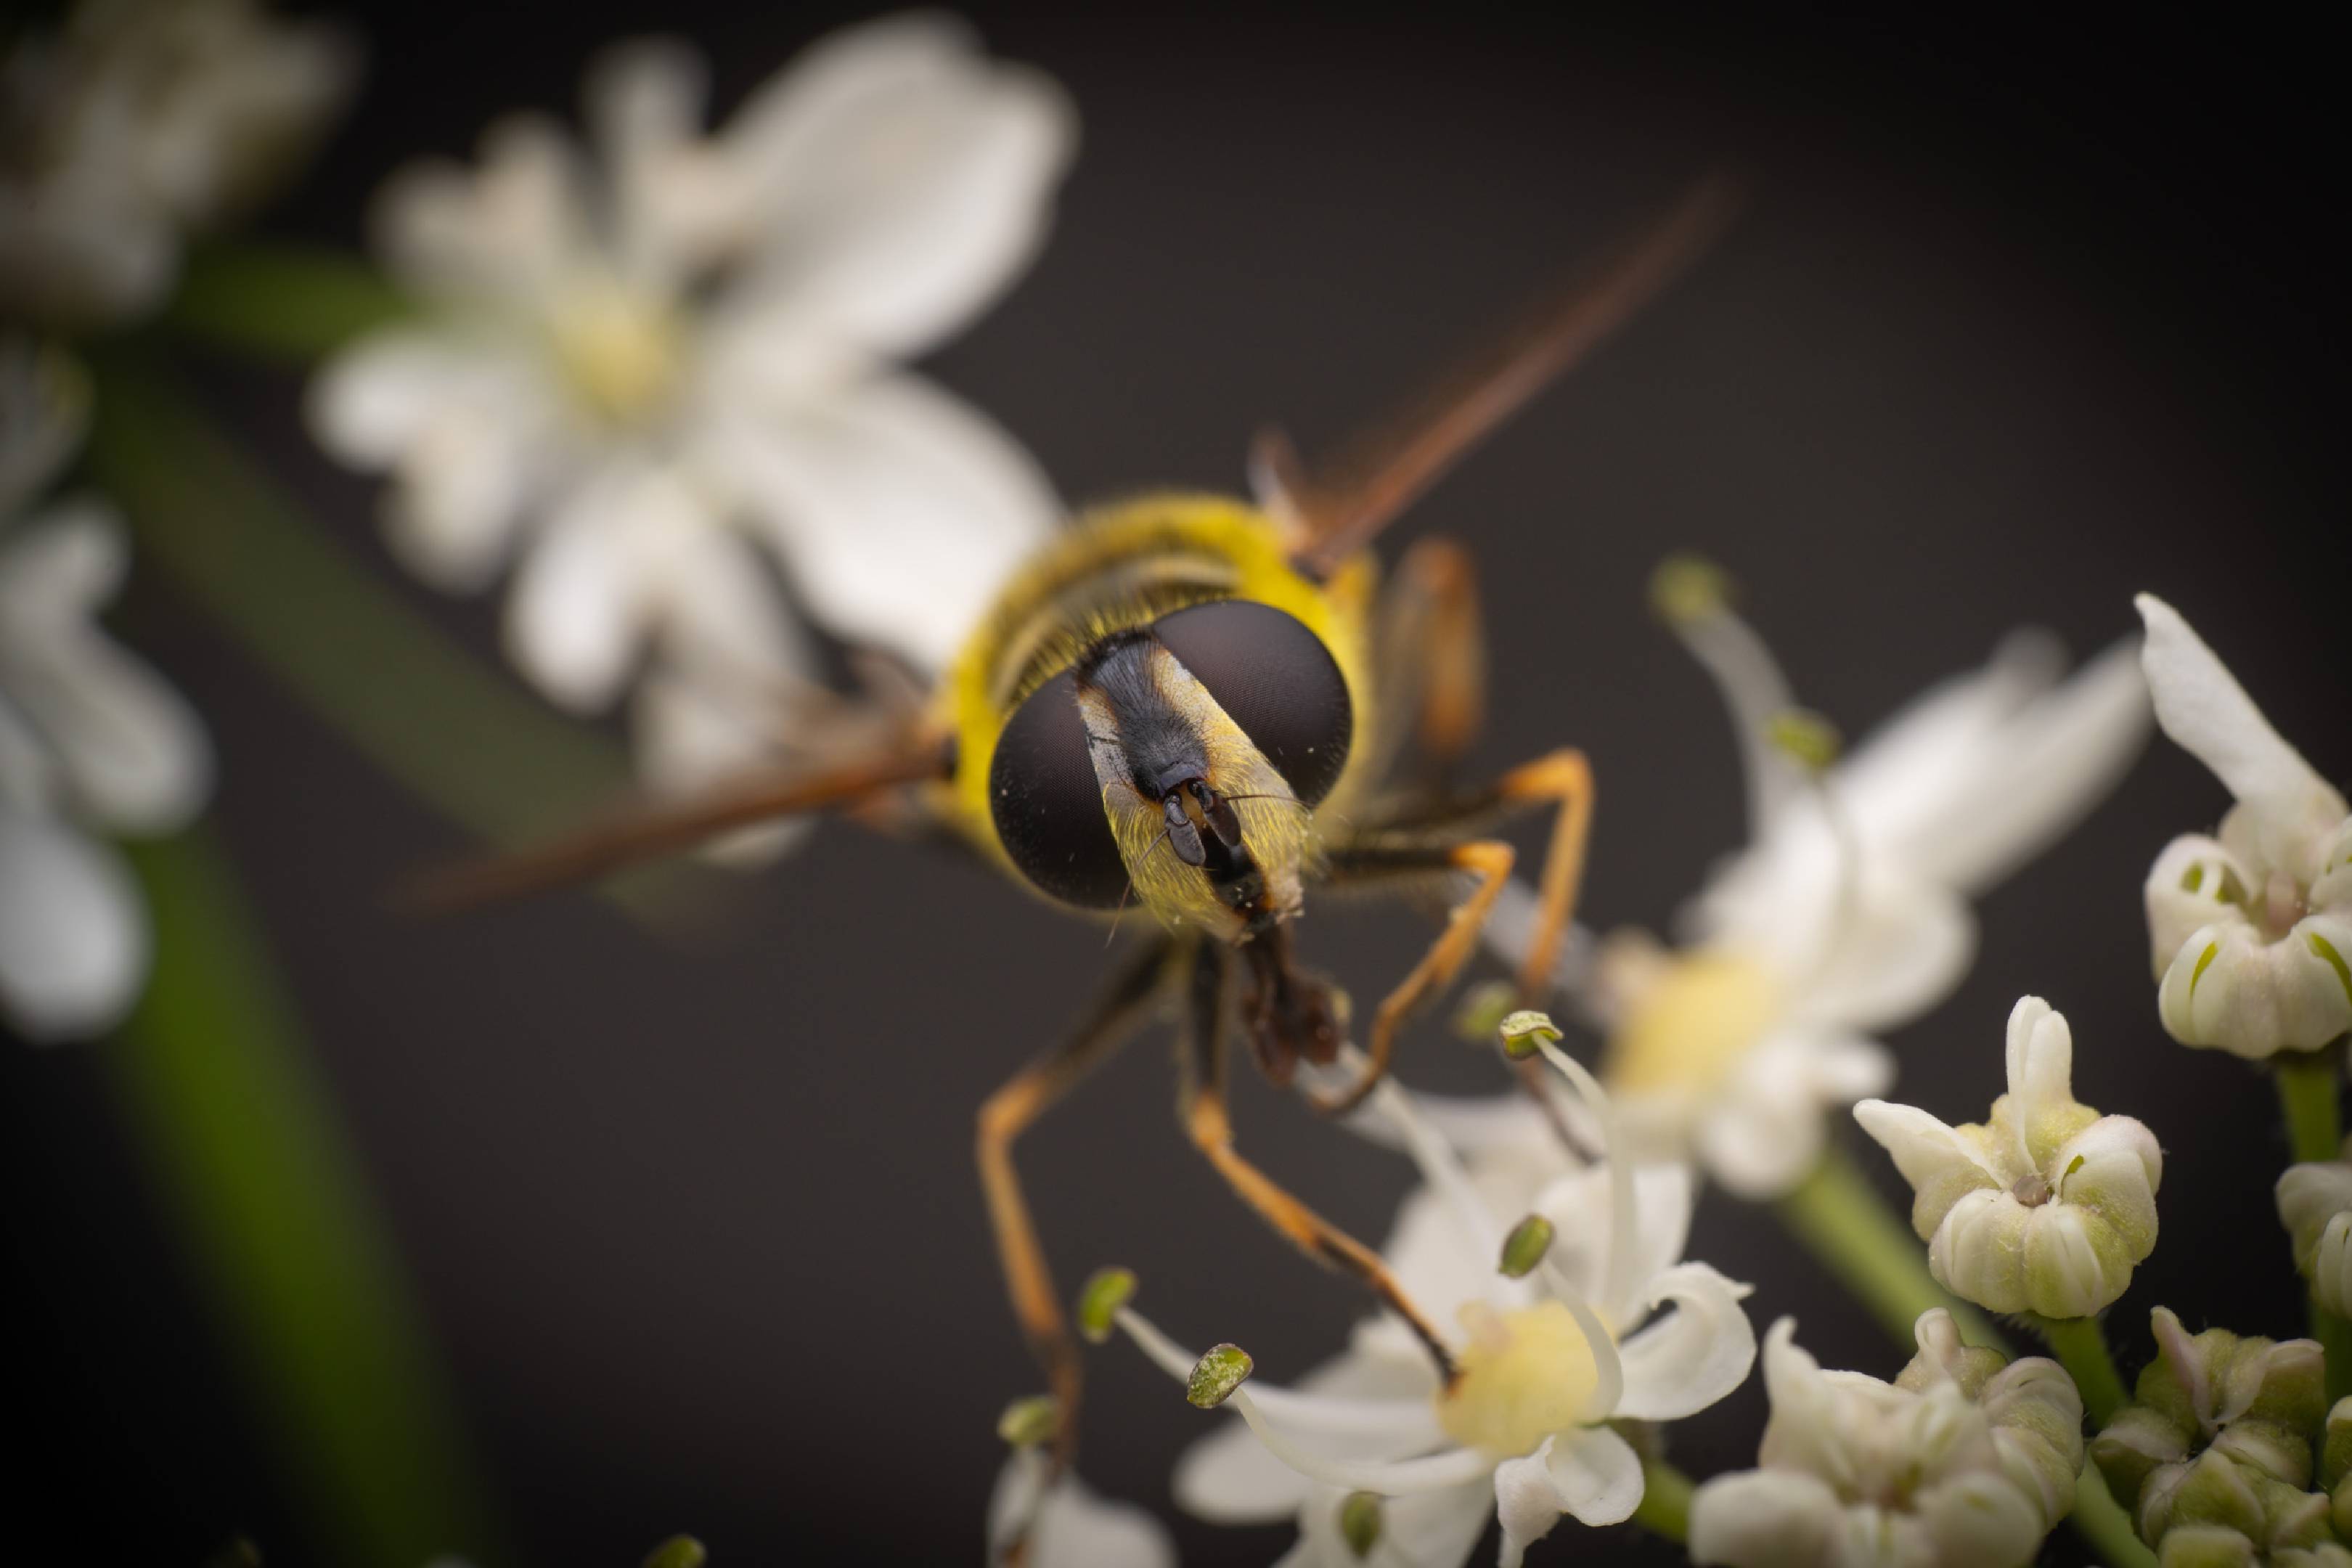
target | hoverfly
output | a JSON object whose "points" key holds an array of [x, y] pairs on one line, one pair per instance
{"points": [[1200, 705]]}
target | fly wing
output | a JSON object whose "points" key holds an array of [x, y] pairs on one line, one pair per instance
{"points": [[1342, 506], [656, 829]]}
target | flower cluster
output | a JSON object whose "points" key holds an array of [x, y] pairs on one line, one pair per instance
{"points": [[1966, 1458]]}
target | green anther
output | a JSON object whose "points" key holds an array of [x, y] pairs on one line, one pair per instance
{"points": [[1030, 1421], [1524, 1247], [2327, 949], [1526, 1032], [2194, 878], [1805, 736], [1098, 1303], [1359, 1523], [1216, 1374], [1484, 1008], [677, 1551], [1687, 588]]}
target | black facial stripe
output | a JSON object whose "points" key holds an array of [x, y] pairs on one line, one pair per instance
{"points": [[1162, 748], [1047, 805], [1275, 679]]}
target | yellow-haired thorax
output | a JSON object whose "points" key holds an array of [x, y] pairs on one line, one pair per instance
{"points": [[1120, 567], [1212, 838]]}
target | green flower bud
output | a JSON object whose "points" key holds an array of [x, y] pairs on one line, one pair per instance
{"points": [[1216, 1374]]}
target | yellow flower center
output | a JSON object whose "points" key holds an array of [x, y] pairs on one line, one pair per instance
{"points": [[621, 349], [1696, 1018], [1525, 1374]]}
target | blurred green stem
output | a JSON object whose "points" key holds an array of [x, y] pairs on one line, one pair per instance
{"points": [[2080, 1345], [459, 737], [280, 301], [1665, 1509], [1841, 1219], [246, 1147], [2315, 1129]]}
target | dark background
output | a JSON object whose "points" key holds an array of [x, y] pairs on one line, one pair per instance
{"points": [[2024, 318]]}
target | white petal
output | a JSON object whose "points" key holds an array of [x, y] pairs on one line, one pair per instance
{"points": [[1229, 1477], [1981, 1518], [1598, 1475], [577, 617], [1694, 1356], [2191, 886], [1901, 948], [1577, 1207], [1764, 1518], [2207, 712], [130, 751], [1425, 1529], [73, 931], [898, 510], [906, 182], [1925, 1150], [379, 394], [2039, 1057], [2049, 765], [1074, 1528], [644, 102], [1759, 1149], [503, 232], [1979, 1250], [1526, 1501], [1756, 693]]}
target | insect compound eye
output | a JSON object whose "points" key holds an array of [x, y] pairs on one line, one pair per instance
{"points": [[1048, 804], [1275, 679]]}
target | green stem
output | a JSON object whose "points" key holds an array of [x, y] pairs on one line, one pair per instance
{"points": [[2308, 1103], [2307, 1098], [467, 742], [220, 1092], [283, 302], [2081, 1346], [1840, 1219], [1665, 1501]]}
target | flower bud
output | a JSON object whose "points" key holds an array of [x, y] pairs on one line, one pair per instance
{"points": [[2213, 1456], [2314, 1204], [2046, 1207]]}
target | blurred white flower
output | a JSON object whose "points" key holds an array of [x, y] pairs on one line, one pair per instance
{"points": [[1961, 1462], [90, 737], [2314, 1204], [660, 377], [2251, 930], [2048, 1205], [1544, 1362], [1847, 913], [1071, 1527], [139, 122]]}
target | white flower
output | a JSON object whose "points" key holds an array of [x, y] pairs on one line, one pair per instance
{"points": [[2314, 1204], [1956, 1463], [2251, 930], [657, 378], [140, 122], [90, 736], [1071, 1527], [1847, 914], [2045, 1208], [1544, 1362]]}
